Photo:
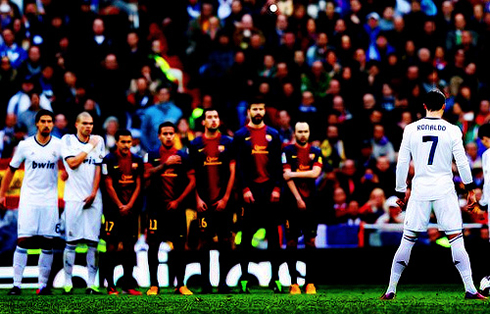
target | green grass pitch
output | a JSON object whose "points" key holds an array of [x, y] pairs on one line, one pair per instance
{"points": [[330, 299]]}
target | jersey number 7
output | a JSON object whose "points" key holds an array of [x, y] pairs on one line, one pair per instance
{"points": [[434, 141]]}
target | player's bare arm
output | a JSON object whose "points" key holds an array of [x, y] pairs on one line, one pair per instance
{"points": [[310, 174], [299, 200], [248, 197], [74, 162], [127, 208], [221, 204], [90, 199], [200, 204], [471, 200], [275, 195], [112, 192]]}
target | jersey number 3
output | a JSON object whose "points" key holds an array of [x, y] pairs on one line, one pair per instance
{"points": [[434, 141]]}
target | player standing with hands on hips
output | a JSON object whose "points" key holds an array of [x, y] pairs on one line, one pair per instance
{"points": [[82, 155], [38, 220], [432, 143]]}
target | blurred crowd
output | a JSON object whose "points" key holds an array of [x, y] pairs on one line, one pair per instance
{"points": [[354, 70]]}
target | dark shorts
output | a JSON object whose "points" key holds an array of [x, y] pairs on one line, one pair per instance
{"points": [[118, 228], [262, 213], [164, 225], [301, 222], [214, 223]]}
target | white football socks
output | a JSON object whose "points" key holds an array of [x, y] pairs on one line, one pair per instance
{"points": [[68, 262], [462, 262], [44, 263], [20, 262], [400, 261], [91, 265]]}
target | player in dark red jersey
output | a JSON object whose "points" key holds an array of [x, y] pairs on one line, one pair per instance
{"points": [[259, 177], [302, 164], [123, 174], [214, 165], [171, 182]]}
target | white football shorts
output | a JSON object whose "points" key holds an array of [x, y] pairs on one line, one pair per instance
{"points": [[38, 220], [446, 210], [82, 223]]}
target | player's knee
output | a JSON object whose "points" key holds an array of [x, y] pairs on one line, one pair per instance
{"points": [[292, 244], [111, 247], [410, 235], [46, 243], [92, 244], [224, 244], [453, 235], [24, 243], [310, 243]]}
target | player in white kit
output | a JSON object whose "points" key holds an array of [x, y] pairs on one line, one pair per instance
{"points": [[484, 136], [82, 156], [38, 219], [432, 143]]}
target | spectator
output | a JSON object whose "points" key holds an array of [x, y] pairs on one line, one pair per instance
{"points": [[27, 118], [474, 158], [60, 126], [317, 82], [8, 82], [318, 51], [345, 211], [348, 179], [32, 66], [382, 145], [10, 136], [138, 101], [16, 54], [374, 207], [20, 102], [110, 126], [110, 88], [286, 132], [332, 147], [163, 110], [393, 213]]}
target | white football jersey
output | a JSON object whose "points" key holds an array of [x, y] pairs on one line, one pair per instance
{"points": [[40, 184], [432, 143], [80, 180], [485, 199]]}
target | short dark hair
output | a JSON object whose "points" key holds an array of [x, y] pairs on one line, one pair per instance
{"points": [[258, 102], [434, 100], [43, 112], [484, 130], [166, 124], [122, 132], [208, 110]]}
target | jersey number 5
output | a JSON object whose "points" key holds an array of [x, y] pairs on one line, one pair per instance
{"points": [[434, 141]]}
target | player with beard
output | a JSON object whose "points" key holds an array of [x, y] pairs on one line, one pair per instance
{"points": [[258, 148], [214, 165], [171, 181], [38, 220], [302, 164]]}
